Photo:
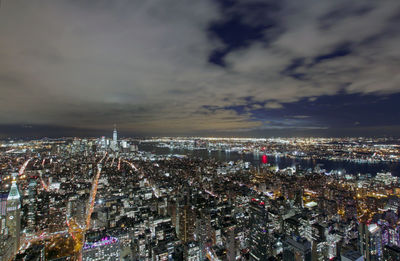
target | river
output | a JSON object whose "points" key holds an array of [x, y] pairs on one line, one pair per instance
{"points": [[281, 162]]}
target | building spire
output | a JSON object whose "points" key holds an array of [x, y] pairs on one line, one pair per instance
{"points": [[14, 193]]}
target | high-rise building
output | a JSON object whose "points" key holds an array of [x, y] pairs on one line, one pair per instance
{"points": [[103, 143], [32, 206], [3, 213], [114, 142], [6, 246], [297, 249], [115, 134], [3, 203], [259, 241], [107, 248], [186, 219], [370, 241], [14, 215], [203, 232]]}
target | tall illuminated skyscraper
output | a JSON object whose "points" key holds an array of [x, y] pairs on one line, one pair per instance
{"points": [[114, 142], [31, 215], [115, 134], [260, 245], [14, 215], [370, 241]]}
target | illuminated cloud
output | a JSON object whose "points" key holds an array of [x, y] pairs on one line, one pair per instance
{"points": [[152, 66]]}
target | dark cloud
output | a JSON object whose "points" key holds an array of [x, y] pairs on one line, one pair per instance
{"points": [[243, 23], [290, 70], [339, 51], [167, 66]]}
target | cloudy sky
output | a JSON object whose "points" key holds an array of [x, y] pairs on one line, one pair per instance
{"points": [[209, 67]]}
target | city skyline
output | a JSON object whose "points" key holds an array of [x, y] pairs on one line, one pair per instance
{"points": [[210, 68], [209, 130], [248, 199]]}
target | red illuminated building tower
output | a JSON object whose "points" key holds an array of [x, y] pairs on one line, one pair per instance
{"points": [[264, 159]]}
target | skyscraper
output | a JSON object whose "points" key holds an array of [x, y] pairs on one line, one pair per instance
{"points": [[259, 241], [115, 134], [186, 221], [13, 215], [114, 143], [296, 249], [31, 216], [3, 203], [370, 241]]}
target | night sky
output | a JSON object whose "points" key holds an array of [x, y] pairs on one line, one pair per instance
{"points": [[206, 67]]}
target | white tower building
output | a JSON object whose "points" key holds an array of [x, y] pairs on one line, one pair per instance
{"points": [[14, 215], [115, 134], [114, 143]]}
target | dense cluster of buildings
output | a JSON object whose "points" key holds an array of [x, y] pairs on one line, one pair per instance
{"points": [[104, 199], [362, 150]]}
